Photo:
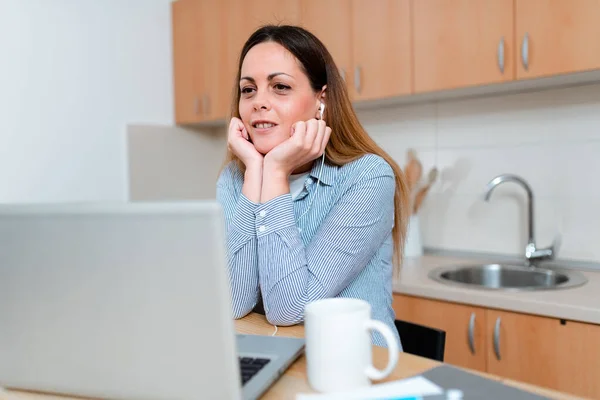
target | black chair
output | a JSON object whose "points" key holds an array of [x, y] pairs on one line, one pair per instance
{"points": [[422, 340]]}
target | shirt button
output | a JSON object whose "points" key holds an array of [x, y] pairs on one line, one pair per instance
{"points": [[262, 228], [262, 213]]}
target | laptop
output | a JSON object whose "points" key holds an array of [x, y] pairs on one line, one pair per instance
{"points": [[126, 301]]}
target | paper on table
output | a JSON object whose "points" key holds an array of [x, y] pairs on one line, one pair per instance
{"points": [[416, 386]]}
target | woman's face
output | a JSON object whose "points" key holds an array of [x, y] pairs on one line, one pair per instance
{"points": [[275, 93]]}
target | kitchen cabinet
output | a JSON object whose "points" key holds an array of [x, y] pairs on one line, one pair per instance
{"points": [[464, 326], [381, 49], [330, 21], [557, 37], [387, 48], [550, 352], [207, 39], [243, 18], [545, 351], [369, 41], [462, 43], [196, 60]]}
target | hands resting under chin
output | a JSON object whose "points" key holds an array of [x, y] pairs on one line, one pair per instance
{"points": [[306, 143]]}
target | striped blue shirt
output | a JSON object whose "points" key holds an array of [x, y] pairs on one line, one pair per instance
{"points": [[289, 254]]}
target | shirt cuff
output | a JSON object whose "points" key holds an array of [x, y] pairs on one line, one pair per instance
{"points": [[274, 215], [244, 216]]}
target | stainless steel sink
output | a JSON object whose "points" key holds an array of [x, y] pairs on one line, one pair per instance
{"points": [[507, 277]]}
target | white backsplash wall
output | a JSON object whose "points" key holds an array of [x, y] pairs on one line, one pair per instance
{"points": [[173, 163], [551, 138]]}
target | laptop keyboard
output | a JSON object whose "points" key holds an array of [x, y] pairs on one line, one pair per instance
{"points": [[250, 367]]}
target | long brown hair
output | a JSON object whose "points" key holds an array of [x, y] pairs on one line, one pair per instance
{"points": [[349, 140]]}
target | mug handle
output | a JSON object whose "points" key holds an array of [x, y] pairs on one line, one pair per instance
{"points": [[371, 371]]}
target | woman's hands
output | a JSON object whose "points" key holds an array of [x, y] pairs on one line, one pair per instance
{"points": [[306, 143], [238, 142]]}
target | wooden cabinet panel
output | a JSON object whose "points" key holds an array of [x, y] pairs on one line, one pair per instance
{"points": [[330, 21], [457, 43], [244, 17], [187, 65], [213, 56], [381, 41], [452, 318], [562, 36], [196, 60], [543, 351]]}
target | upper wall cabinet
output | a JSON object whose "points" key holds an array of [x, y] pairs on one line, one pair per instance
{"points": [[243, 18], [331, 22], [557, 36], [197, 61], [462, 43], [386, 48], [381, 43], [186, 63], [369, 41]]}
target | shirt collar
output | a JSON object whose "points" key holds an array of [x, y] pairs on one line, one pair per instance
{"points": [[328, 174]]}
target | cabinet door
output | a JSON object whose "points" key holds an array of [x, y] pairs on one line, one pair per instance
{"points": [[330, 21], [197, 60], [381, 49], [563, 356], [242, 18], [187, 64], [461, 43], [557, 36], [464, 326]]}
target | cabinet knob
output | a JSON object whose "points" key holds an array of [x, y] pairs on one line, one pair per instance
{"points": [[357, 83], [501, 55], [472, 333], [525, 51], [497, 339]]}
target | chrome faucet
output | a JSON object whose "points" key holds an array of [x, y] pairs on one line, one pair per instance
{"points": [[532, 253]]}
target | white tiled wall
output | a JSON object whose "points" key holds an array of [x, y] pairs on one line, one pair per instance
{"points": [[551, 138]]}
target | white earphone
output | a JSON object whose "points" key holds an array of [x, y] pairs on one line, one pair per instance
{"points": [[321, 111]]}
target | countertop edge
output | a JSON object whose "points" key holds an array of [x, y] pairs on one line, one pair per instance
{"points": [[478, 298], [572, 304]]}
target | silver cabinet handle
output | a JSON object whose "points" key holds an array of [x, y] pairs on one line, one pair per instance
{"points": [[357, 78], [205, 104], [343, 74], [472, 333], [525, 51], [497, 338], [196, 105], [501, 54]]}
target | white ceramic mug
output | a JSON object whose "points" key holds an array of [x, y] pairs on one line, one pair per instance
{"points": [[338, 344]]}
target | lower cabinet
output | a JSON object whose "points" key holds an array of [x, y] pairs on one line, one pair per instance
{"points": [[464, 325], [549, 352]]}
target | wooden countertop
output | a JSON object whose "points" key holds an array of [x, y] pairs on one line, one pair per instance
{"points": [[294, 380]]}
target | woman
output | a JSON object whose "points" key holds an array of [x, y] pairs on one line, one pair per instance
{"points": [[313, 207]]}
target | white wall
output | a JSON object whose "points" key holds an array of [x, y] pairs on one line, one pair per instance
{"points": [[551, 138], [72, 75]]}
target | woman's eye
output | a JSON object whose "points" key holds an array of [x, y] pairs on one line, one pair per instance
{"points": [[281, 86], [247, 90]]}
